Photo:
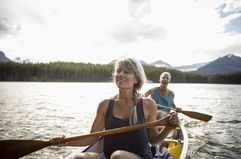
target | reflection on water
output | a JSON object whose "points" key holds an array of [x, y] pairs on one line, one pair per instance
{"points": [[31, 110]]}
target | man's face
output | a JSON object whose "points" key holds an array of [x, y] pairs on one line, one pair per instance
{"points": [[165, 79]]}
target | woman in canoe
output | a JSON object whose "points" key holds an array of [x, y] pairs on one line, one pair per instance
{"points": [[124, 109]]}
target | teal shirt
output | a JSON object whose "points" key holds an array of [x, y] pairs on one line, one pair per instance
{"points": [[162, 100]]}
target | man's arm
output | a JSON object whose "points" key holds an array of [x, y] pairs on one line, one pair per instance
{"points": [[150, 92]]}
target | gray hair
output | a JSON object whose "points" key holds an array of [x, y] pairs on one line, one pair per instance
{"points": [[165, 73], [133, 66]]}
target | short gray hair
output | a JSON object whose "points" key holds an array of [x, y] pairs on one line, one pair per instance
{"points": [[165, 73]]}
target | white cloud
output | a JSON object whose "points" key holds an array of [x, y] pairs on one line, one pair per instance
{"points": [[232, 6]]}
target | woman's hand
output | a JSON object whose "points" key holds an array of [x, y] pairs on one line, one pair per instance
{"points": [[57, 140]]}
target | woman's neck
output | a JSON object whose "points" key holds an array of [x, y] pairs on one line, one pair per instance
{"points": [[125, 97]]}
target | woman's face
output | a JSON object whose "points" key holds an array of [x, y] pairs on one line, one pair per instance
{"points": [[125, 79]]}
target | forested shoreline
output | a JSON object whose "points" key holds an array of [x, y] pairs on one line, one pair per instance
{"points": [[87, 72]]}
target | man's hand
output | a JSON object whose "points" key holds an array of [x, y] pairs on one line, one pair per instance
{"points": [[173, 119], [179, 109]]}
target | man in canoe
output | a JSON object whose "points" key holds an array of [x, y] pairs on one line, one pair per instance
{"points": [[126, 108], [163, 96]]}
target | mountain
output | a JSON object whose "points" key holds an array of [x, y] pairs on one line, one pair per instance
{"points": [[192, 67], [3, 58], [161, 63], [114, 61], [223, 65]]}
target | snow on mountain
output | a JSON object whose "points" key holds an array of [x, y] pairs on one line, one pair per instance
{"points": [[161, 63], [192, 67]]}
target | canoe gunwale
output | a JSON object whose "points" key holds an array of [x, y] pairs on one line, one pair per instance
{"points": [[98, 145], [185, 143]]}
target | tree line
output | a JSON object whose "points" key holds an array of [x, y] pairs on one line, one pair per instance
{"points": [[87, 72]]}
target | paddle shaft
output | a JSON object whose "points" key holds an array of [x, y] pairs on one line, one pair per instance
{"points": [[109, 132], [162, 106], [18, 148], [192, 114]]}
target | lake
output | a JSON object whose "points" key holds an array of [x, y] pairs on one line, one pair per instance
{"points": [[41, 110]]}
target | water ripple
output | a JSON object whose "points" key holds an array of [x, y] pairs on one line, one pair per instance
{"points": [[230, 121]]}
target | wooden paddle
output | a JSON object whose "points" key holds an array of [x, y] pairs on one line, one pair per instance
{"points": [[173, 141], [192, 114], [18, 148]]}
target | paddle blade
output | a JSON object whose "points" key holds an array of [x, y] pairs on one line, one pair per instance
{"points": [[197, 115], [18, 148]]}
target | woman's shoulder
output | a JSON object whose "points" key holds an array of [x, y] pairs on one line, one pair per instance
{"points": [[104, 102], [149, 106], [103, 105], [148, 101]]}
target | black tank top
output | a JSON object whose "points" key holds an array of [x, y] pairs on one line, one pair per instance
{"points": [[135, 141]]}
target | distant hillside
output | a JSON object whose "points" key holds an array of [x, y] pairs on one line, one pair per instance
{"points": [[192, 67], [87, 72], [223, 65], [3, 58], [161, 63]]}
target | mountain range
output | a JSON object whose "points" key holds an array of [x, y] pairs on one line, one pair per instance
{"points": [[226, 64], [222, 65]]}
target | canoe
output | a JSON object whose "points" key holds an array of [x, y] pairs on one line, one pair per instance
{"points": [[174, 146]]}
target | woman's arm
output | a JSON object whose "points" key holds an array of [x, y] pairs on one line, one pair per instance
{"points": [[170, 122]]}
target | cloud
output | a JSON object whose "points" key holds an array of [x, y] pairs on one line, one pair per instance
{"points": [[135, 31], [4, 29], [6, 26], [234, 25], [14, 15], [230, 11], [137, 28], [227, 9], [231, 6], [139, 8]]}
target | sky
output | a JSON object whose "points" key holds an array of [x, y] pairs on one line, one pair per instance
{"points": [[179, 32]]}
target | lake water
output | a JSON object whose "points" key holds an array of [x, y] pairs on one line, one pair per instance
{"points": [[32, 110]]}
